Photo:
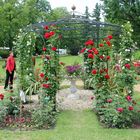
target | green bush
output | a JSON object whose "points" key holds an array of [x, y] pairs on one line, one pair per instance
{"points": [[4, 53], [136, 55], [44, 117]]}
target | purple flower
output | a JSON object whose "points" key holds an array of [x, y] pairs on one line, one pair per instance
{"points": [[73, 69]]}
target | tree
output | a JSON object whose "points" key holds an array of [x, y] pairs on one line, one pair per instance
{"points": [[87, 12], [17, 14], [97, 12], [58, 13], [121, 11]]}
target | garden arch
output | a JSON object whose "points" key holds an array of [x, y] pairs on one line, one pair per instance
{"points": [[49, 77]]}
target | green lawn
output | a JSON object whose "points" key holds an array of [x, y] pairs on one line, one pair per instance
{"points": [[81, 125]]}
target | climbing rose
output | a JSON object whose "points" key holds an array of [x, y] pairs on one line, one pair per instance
{"points": [[46, 27], [127, 66], [109, 100], [83, 50], [94, 71], [52, 33], [90, 51], [120, 109], [47, 35], [130, 108], [107, 76], [54, 48], [44, 49], [108, 57], [106, 70], [110, 37], [90, 56], [101, 45], [1, 96], [101, 57], [46, 85], [128, 98], [89, 43], [42, 75], [108, 43], [47, 78], [96, 52]]}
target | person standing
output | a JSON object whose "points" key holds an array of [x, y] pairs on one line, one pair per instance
{"points": [[10, 68]]}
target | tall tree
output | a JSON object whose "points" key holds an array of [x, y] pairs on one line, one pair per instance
{"points": [[15, 14], [97, 12], [58, 13], [87, 12], [121, 11]]}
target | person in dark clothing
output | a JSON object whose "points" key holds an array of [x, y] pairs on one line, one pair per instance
{"points": [[10, 68]]}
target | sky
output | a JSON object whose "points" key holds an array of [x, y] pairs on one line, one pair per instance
{"points": [[80, 4]]}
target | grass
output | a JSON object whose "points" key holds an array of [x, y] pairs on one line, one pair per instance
{"points": [[81, 125]]}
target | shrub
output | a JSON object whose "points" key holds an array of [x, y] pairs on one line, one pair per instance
{"points": [[4, 53], [44, 117]]}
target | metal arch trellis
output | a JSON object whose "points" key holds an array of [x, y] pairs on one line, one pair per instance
{"points": [[95, 29]]}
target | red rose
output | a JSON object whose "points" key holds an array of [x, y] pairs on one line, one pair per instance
{"points": [[22, 120], [89, 43], [130, 108], [90, 51], [1, 96], [54, 48], [106, 70], [42, 75], [107, 76], [120, 109], [101, 71], [101, 45], [110, 37], [101, 57], [96, 52], [94, 71], [44, 49], [47, 35], [83, 50], [108, 43], [108, 57], [51, 33], [109, 100], [46, 85], [128, 98], [127, 66], [90, 56], [47, 78], [46, 27], [94, 49]]}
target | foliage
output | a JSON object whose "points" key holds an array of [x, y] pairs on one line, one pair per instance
{"points": [[17, 14], [4, 53], [110, 89], [44, 117], [121, 11], [97, 12]]}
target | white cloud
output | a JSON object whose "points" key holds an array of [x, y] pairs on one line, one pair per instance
{"points": [[80, 4]]}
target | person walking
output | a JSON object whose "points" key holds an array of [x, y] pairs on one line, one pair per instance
{"points": [[10, 68]]}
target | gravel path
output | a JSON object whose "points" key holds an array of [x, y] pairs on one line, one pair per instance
{"points": [[74, 101]]}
